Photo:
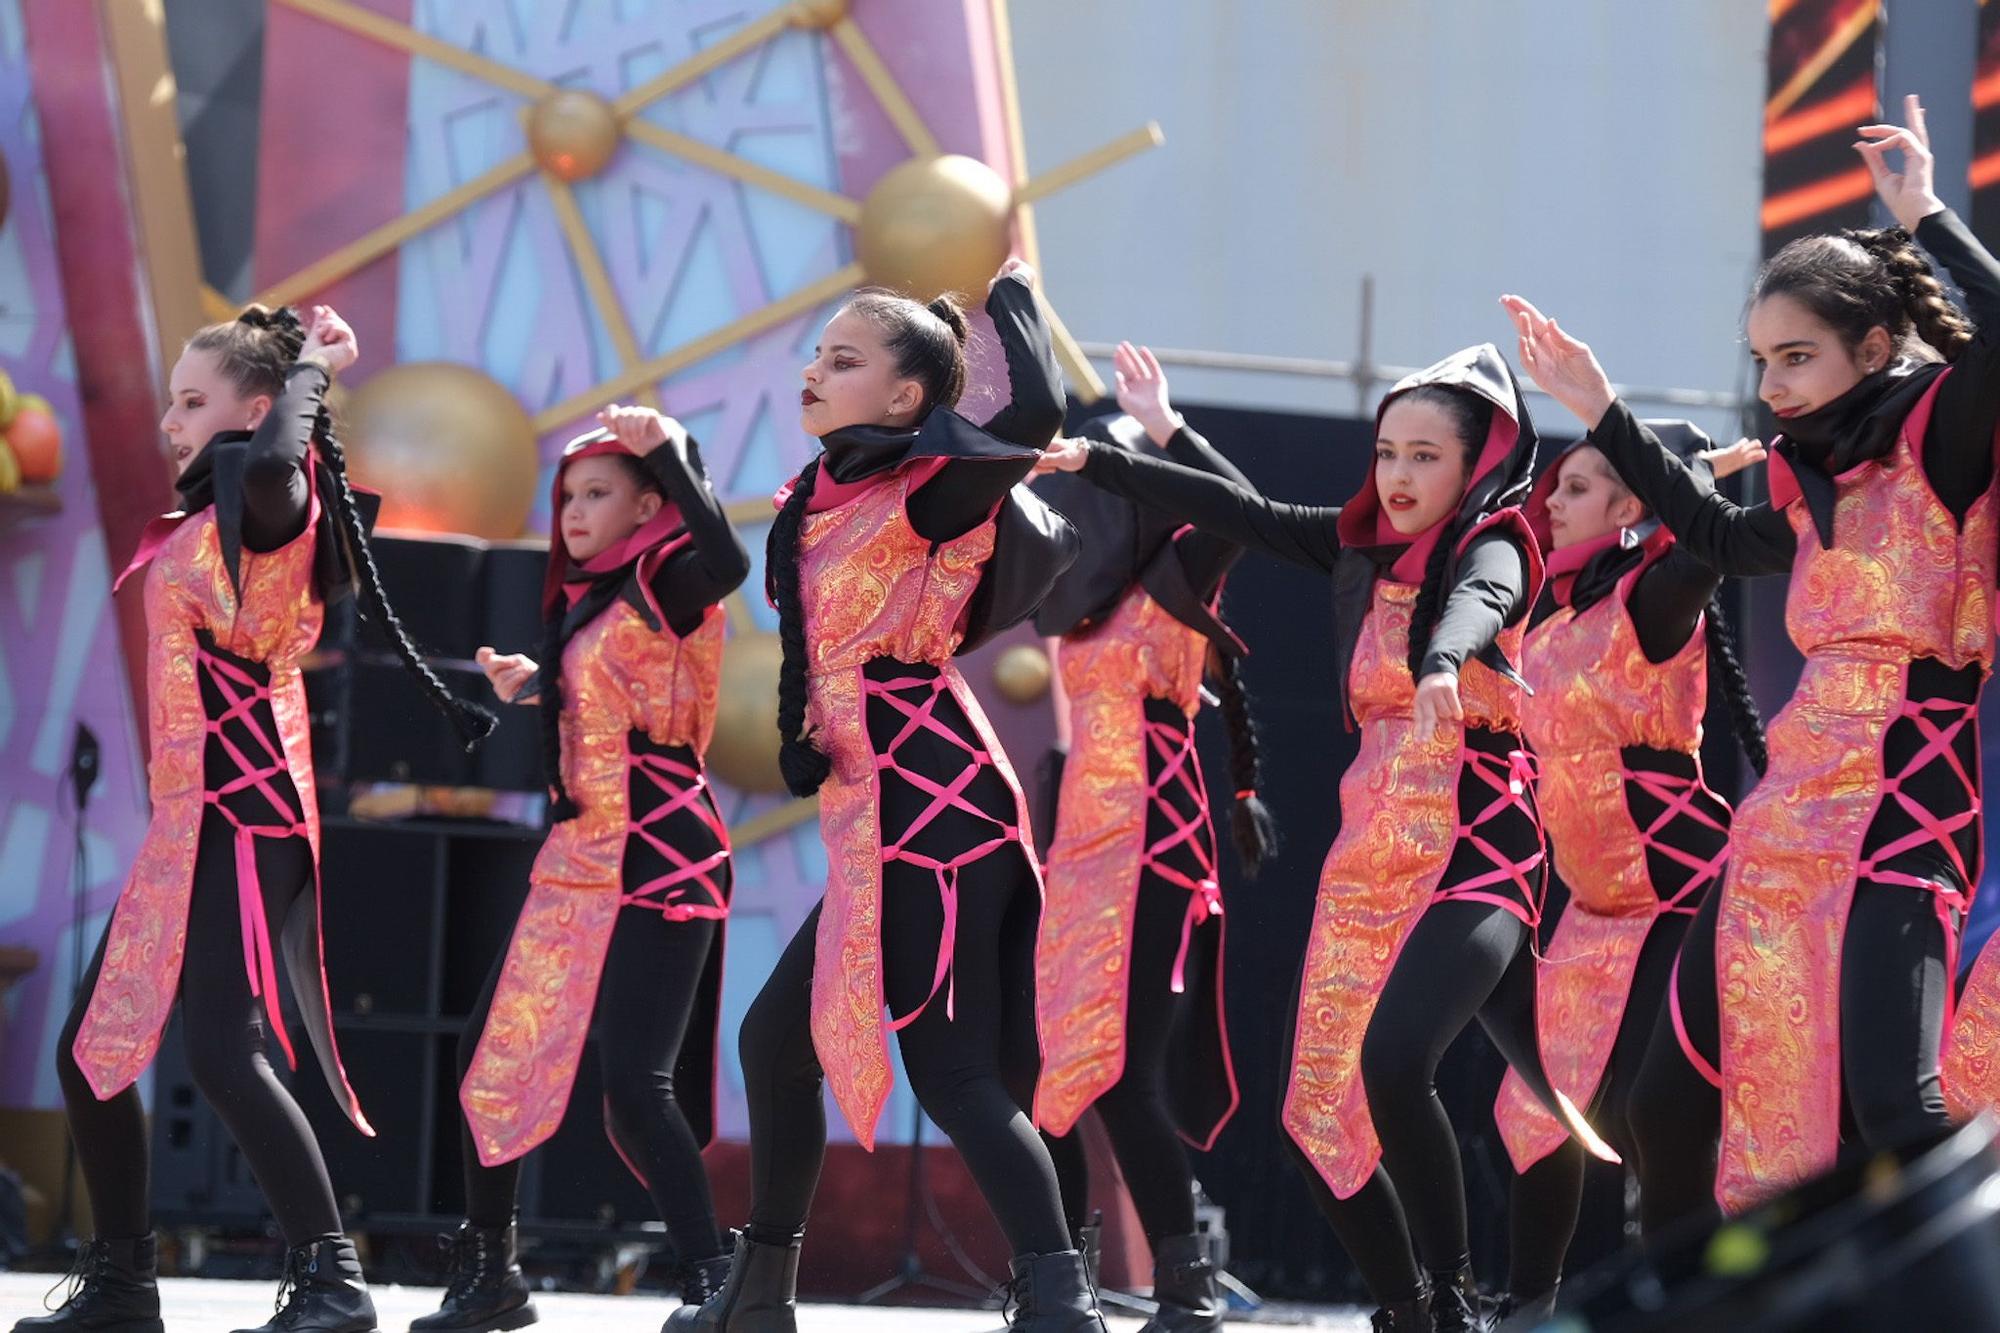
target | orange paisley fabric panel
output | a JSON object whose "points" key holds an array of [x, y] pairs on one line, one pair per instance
{"points": [[620, 676], [1083, 952], [871, 587], [278, 618], [1398, 825], [1972, 1051]]}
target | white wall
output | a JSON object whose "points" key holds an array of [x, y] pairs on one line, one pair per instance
{"points": [[1601, 157]]}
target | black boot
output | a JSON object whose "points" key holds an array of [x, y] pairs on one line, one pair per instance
{"points": [[113, 1289], [1411, 1316], [1089, 1240], [1455, 1303], [487, 1293], [1051, 1294], [1184, 1285], [702, 1279], [321, 1291], [760, 1295]]}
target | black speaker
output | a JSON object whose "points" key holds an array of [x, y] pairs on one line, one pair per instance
{"points": [[198, 1173], [434, 583]]}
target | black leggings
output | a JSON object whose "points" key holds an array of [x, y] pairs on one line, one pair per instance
{"points": [[224, 1031], [1151, 1155], [1892, 1002], [1542, 1208], [652, 970], [972, 1074], [1459, 955]]}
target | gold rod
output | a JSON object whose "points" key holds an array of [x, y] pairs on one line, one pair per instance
{"points": [[745, 38], [728, 164], [887, 91], [1096, 160], [755, 830], [391, 33]]}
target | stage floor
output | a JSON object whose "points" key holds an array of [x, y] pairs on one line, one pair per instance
{"points": [[194, 1305]]}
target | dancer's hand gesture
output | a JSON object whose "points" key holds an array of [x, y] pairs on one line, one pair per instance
{"points": [[329, 340], [1437, 711], [1062, 455], [1908, 193], [508, 671], [1012, 267], [1562, 365], [1142, 391], [641, 429], [1732, 459]]}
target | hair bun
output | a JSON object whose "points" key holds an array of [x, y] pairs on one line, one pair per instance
{"points": [[947, 308], [283, 323]]}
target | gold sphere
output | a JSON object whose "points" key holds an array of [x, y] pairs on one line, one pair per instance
{"points": [[935, 225], [818, 13], [1021, 673], [744, 750], [573, 133], [449, 448]]}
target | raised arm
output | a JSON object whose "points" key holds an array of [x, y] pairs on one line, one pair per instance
{"points": [[277, 471], [1144, 395], [1731, 538], [964, 491], [1958, 444], [714, 562]]}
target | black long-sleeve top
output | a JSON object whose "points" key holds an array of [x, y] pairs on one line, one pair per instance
{"points": [[1489, 592], [277, 470], [1957, 446], [1204, 555], [714, 562], [963, 492]]}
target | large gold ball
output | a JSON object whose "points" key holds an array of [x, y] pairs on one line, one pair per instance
{"points": [[1021, 673], [573, 133], [449, 448], [744, 751], [818, 13], [935, 225]]}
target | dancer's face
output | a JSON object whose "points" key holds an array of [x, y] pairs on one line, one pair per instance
{"points": [[1588, 501], [201, 402], [1421, 465], [1802, 362], [852, 380], [602, 505]]}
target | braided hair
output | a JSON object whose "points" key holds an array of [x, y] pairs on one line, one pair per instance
{"points": [[927, 341], [1473, 417], [254, 352], [1251, 826], [1864, 277]]}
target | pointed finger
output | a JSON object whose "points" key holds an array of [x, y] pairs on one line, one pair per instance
{"points": [[1152, 362], [1913, 115]]}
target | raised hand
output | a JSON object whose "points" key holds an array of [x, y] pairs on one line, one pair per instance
{"points": [[509, 672], [329, 340], [1436, 709], [1012, 267], [1732, 459], [1909, 194], [641, 429], [1563, 366], [1062, 455], [1142, 391]]}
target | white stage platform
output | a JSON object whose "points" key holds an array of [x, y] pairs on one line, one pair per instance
{"points": [[193, 1305]]}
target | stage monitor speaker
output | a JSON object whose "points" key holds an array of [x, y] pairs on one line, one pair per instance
{"points": [[1897, 1240]]}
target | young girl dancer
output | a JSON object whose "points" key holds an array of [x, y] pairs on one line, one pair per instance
{"points": [[1129, 961], [902, 544], [626, 903], [237, 584], [1852, 860], [1431, 889], [1618, 654]]}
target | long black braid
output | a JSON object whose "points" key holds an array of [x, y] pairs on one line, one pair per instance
{"points": [[804, 765], [472, 722], [1728, 668], [1251, 825]]}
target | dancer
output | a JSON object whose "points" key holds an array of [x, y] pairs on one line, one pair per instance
{"points": [[1429, 893], [904, 543], [1129, 960], [1852, 861], [238, 580], [1618, 653], [624, 918]]}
